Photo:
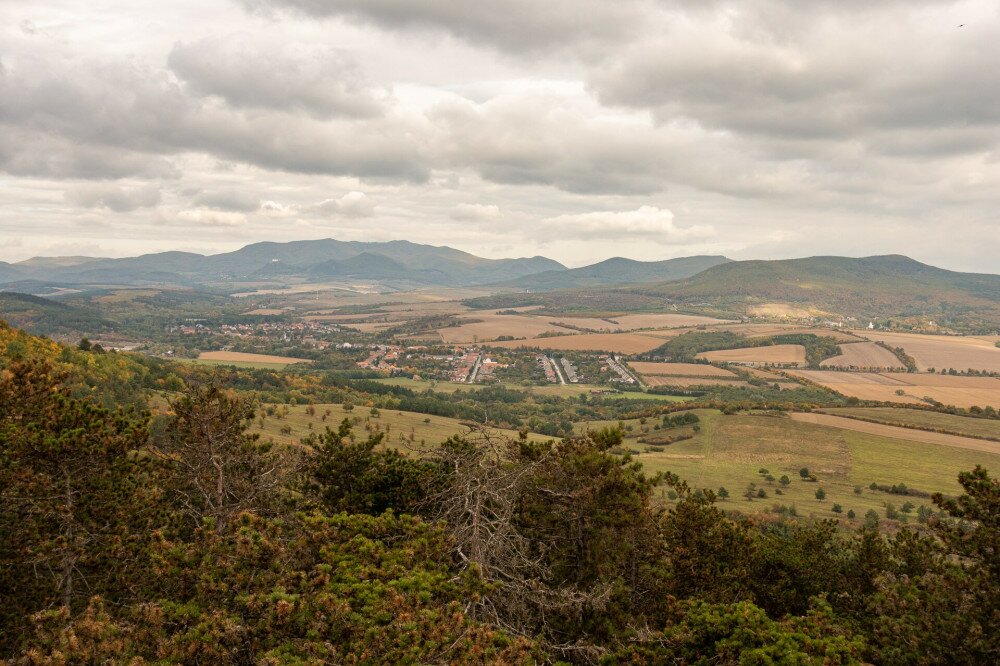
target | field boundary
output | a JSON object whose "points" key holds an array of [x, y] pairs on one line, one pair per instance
{"points": [[896, 424], [896, 432]]}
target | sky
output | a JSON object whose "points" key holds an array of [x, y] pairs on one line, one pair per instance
{"points": [[574, 129]]}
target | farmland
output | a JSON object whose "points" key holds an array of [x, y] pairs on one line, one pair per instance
{"points": [[729, 451], [773, 354], [680, 369], [684, 382], [866, 355], [944, 351], [896, 432], [909, 387], [923, 419], [623, 343], [243, 359]]}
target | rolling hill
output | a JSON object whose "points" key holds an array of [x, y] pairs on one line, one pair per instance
{"points": [[617, 270], [43, 316], [890, 286]]}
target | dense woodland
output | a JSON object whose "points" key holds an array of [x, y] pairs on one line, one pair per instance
{"points": [[184, 539]]}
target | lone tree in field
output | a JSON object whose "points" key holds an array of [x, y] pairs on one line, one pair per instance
{"points": [[804, 472], [820, 494], [784, 480]]}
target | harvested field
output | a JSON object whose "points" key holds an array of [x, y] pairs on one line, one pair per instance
{"points": [[923, 419], [764, 374], [864, 355], [494, 326], [622, 343], [896, 432], [785, 310], [759, 355], [636, 321], [944, 351], [766, 330], [680, 369], [263, 312], [957, 391], [683, 382], [242, 357]]}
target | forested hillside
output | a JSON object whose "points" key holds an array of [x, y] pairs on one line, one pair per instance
{"points": [[179, 537]]}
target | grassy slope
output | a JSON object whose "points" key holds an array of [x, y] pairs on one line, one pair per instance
{"points": [[730, 450], [915, 418], [426, 428]]}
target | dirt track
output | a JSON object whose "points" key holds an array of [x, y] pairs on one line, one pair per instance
{"points": [[898, 433]]}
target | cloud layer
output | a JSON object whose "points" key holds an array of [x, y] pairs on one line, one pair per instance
{"points": [[664, 127]]}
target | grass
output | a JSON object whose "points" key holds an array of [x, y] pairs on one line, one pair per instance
{"points": [[923, 420], [239, 364], [426, 430], [560, 390], [729, 451]]}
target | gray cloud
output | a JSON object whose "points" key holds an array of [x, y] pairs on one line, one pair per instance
{"points": [[230, 200], [126, 107], [321, 81], [114, 197], [512, 25]]}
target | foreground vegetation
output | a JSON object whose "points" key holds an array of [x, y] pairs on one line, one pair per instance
{"points": [[185, 537]]}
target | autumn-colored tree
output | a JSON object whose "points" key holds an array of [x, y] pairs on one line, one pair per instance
{"points": [[69, 484]]}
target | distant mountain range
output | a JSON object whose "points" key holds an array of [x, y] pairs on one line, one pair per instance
{"points": [[616, 270], [395, 264], [404, 263]]}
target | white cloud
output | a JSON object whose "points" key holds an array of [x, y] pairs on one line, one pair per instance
{"points": [[353, 204], [212, 218], [475, 212], [650, 222]]}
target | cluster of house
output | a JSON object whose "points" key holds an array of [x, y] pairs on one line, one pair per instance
{"points": [[275, 330], [382, 357]]}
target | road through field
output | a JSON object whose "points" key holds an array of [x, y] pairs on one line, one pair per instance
{"points": [[896, 432]]}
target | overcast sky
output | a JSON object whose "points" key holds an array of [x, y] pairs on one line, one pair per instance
{"points": [[577, 129]]}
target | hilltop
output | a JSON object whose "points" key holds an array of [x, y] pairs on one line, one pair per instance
{"points": [[617, 270]]}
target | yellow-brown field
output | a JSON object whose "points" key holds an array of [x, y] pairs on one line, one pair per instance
{"points": [[265, 311], [783, 354], [944, 351], [495, 325], [636, 321], [242, 357], [622, 343], [683, 382], [864, 355], [897, 432], [680, 369], [957, 391], [765, 330]]}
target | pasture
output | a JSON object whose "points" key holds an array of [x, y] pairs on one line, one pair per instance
{"points": [[729, 450], [923, 419], [407, 431]]}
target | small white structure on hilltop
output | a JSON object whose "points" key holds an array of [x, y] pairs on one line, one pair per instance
{"points": [[871, 325]]}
